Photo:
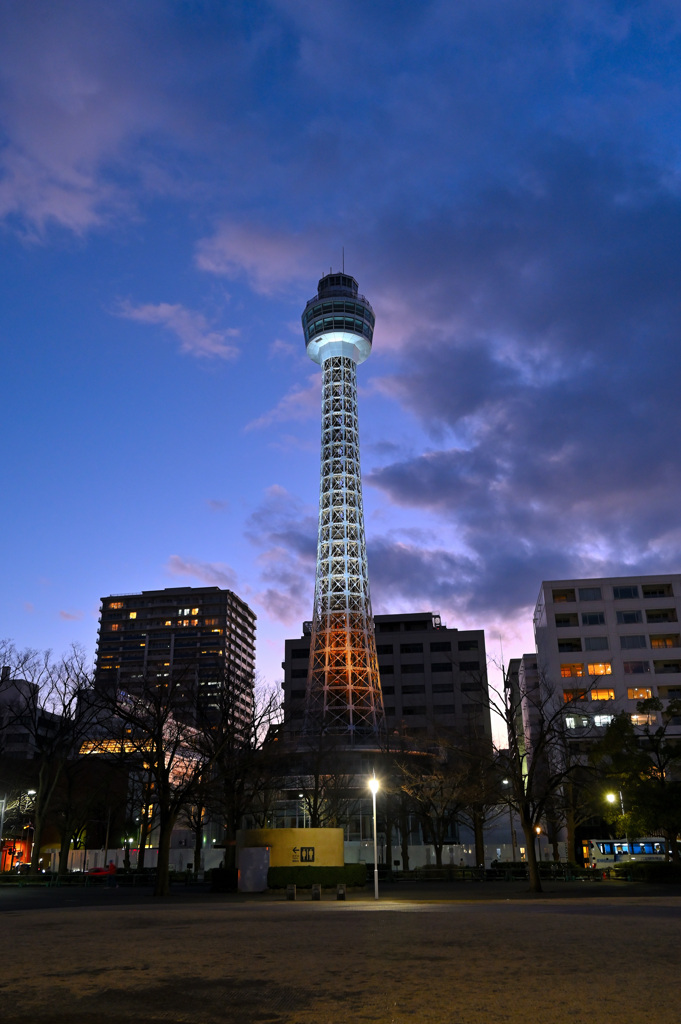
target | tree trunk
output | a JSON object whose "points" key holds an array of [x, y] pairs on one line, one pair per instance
{"points": [[162, 887], [37, 831], [533, 867], [404, 839], [64, 852], [198, 836], [389, 842], [479, 832]]}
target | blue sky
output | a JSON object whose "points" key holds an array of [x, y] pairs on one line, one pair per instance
{"points": [[175, 177]]}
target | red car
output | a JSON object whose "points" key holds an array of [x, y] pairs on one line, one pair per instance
{"points": [[98, 874]]}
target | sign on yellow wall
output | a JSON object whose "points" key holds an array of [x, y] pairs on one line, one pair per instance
{"points": [[322, 847]]}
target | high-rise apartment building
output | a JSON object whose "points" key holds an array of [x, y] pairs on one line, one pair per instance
{"points": [[200, 638], [607, 644], [433, 678]]}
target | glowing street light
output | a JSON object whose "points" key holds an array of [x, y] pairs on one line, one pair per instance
{"points": [[373, 786]]}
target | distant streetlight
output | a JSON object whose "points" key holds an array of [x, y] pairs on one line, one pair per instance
{"points": [[373, 786], [537, 829]]}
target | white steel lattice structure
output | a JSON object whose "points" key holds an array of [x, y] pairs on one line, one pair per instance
{"points": [[343, 696]]}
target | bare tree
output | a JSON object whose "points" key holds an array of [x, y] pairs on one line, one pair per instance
{"points": [[46, 698]]}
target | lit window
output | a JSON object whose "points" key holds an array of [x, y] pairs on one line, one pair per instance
{"points": [[576, 721], [574, 669], [671, 640], [194, 611], [600, 668], [639, 692], [601, 720], [115, 625], [211, 622], [602, 694], [574, 695], [642, 719], [195, 622], [168, 622], [115, 604], [133, 615], [216, 631]]}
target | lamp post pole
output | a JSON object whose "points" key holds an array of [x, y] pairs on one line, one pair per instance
{"points": [[373, 786]]}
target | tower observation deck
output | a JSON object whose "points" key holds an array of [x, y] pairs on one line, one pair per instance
{"points": [[343, 695]]}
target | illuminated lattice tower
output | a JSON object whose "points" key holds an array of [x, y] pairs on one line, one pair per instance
{"points": [[343, 696]]}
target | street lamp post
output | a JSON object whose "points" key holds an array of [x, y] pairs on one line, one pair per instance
{"points": [[373, 786], [537, 829], [611, 798]]}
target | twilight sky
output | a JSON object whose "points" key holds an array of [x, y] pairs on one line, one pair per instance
{"points": [[174, 179]]}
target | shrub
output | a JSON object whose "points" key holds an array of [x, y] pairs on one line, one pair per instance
{"points": [[648, 871], [305, 876]]}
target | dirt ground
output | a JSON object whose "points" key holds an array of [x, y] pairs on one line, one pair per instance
{"points": [[410, 957]]}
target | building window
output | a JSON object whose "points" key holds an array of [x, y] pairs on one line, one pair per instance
{"points": [[559, 596], [636, 668], [628, 618], [388, 690], [386, 670], [114, 626], [567, 646], [444, 709], [380, 649], [469, 666], [411, 669], [387, 627], [642, 719], [443, 687], [577, 721], [629, 643], [566, 619], [413, 689], [411, 648], [133, 615], [664, 667], [600, 668], [441, 666], [624, 593], [115, 604], [574, 669], [593, 618], [416, 710], [299, 673], [590, 594], [467, 645], [665, 640], [415, 627], [602, 720], [602, 694], [596, 643], [639, 693], [569, 695], [662, 615], [440, 646], [657, 590]]}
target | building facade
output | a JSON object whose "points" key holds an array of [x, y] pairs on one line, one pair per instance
{"points": [[606, 644], [432, 677], [201, 639]]}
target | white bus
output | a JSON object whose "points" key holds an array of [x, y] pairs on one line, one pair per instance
{"points": [[605, 852]]}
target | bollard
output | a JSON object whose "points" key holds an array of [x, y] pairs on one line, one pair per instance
{"points": [[340, 891], [290, 892], [316, 891]]}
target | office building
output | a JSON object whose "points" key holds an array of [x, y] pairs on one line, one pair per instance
{"points": [[432, 678], [606, 644], [200, 639]]}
